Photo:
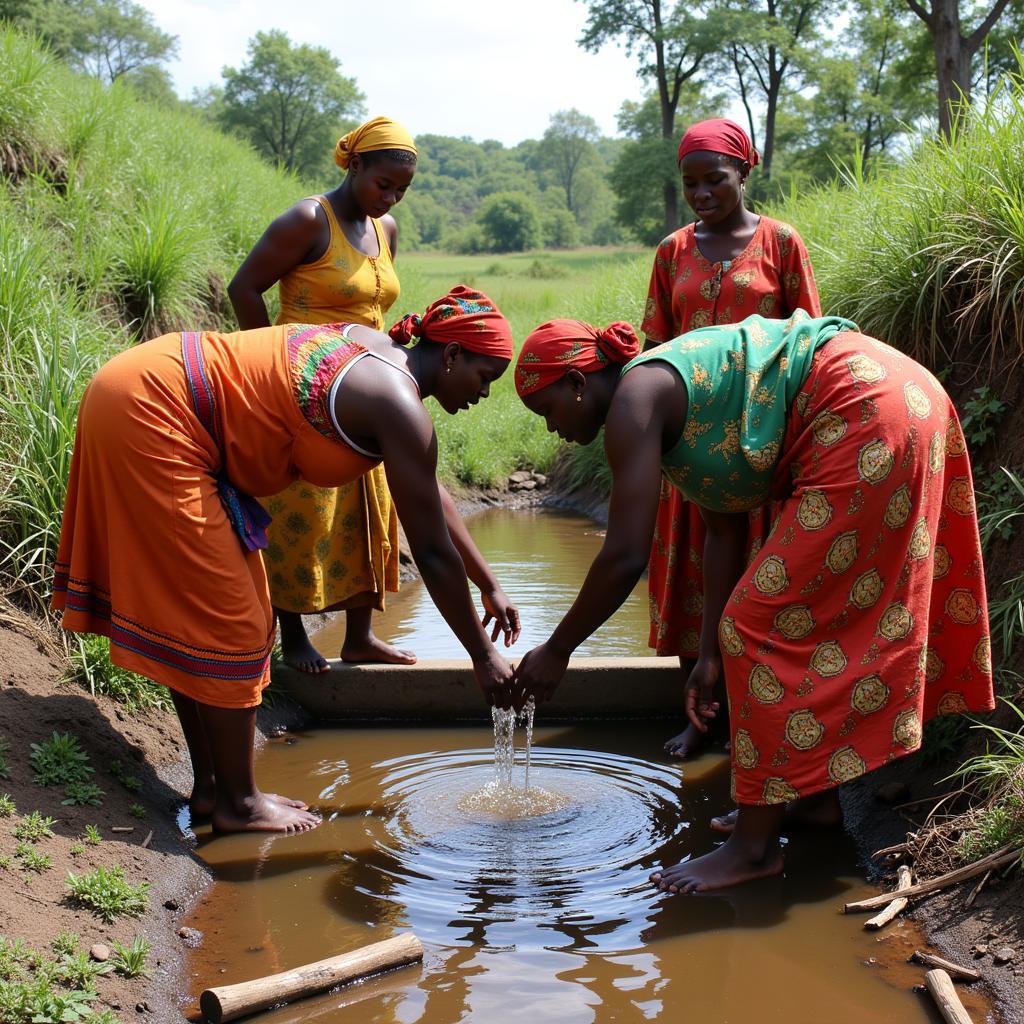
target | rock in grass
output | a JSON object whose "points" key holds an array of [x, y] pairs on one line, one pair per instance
{"points": [[519, 477], [99, 952]]}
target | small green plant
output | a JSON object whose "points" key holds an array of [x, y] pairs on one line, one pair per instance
{"points": [[33, 827], [60, 760], [137, 811], [76, 849], [65, 944], [83, 794], [92, 835], [109, 894], [130, 782], [5, 749], [982, 414], [5, 862], [77, 971], [131, 960], [7, 807], [31, 859]]}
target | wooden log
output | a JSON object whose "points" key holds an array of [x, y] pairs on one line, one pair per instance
{"points": [[228, 1002], [904, 880], [931, 960], [940, 985], [1006, 855]]}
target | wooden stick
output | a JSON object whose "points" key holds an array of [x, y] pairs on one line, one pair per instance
{"points": [[941, 987], [122, 829], [885, 851], [981, 885], [931, 960], [231, 1001], [148, 839], [1006, 855], [904, 880]]}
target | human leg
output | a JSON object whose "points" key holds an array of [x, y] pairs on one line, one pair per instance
{"points": [[362, 644], [821, 809], [296, 648], [752, 851]]}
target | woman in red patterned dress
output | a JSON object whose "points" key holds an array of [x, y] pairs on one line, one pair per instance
{"points": [[725, 266]]}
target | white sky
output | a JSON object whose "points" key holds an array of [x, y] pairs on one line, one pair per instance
{"points": [[488, 69]]}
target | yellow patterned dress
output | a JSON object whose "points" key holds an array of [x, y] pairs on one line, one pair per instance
{"points": [[335, 547]]}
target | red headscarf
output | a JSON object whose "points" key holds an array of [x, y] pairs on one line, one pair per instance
{"points": [[718, 135], [558, 346], [463, 315]]}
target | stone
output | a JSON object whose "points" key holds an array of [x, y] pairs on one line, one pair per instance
{"points": [[981, 949], [171, 904], [541, 479], [99, 952], [892, 792], [524, 485], [520, 476], [192, 936], [1004, 955]]}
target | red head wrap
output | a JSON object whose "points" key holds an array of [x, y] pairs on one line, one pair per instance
{"points": [[558, 346], [718, 136], [463, 315]]}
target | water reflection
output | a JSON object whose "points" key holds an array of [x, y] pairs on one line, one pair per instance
{"points": [[541, 558]]}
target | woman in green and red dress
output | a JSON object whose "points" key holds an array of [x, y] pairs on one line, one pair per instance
{"points": [[725, 266], [862, 615]]}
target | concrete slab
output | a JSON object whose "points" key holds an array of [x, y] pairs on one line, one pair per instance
{"points": [[443, 690]]}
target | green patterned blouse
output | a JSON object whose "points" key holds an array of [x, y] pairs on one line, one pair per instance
{"points": [[741, 380]]}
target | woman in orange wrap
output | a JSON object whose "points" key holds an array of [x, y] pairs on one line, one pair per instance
{"points": [[862, 615], [160, 545], [725, 266], [333, 548]]}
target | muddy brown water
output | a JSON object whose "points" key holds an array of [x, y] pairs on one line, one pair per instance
{"points": [[540, 557], [541, 919], [549, 918]]}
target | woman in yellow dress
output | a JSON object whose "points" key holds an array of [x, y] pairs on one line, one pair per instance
{"points": [[334, 548]]}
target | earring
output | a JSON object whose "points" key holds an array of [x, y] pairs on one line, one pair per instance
{"points": [[447, 369], [579, 398]]}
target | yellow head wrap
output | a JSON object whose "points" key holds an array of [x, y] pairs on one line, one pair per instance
{"points": [[380, 133]]}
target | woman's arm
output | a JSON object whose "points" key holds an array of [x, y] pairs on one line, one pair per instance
{"points": [[633, 442], [406, 438], [799, 286], [390, 226], [725, 545], [658, 325], [290, 240], [497, 606]]}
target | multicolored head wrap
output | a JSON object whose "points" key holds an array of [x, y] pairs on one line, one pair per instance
{"points": [[380, 133], [718, 135], [558, 346], [464, 316]]}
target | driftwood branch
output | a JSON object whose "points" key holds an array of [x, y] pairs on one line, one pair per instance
{"points": [[999, 859], [931, 960], [940, 985], [904, 880], [231, 1001], [981, 885]]}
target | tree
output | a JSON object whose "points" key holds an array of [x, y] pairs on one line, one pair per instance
{"points": [[766, 48], [109, 39], [954, 51], [672, 45], [647, 162], [565, 147], [509, 222], [289, 101]]}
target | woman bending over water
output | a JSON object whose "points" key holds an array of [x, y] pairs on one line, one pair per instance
{"points": [[863, 614], [160, 552]]}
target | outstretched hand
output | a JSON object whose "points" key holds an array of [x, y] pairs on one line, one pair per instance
{"points": [[538, 675], [699, 692], [495, 677], [505, 614]]}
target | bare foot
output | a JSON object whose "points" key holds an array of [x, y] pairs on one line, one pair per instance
{"points": [[372, 648], [687, 743], [730, 864], [287, 801], [821, 810], [302, 655], [259, 813]]}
